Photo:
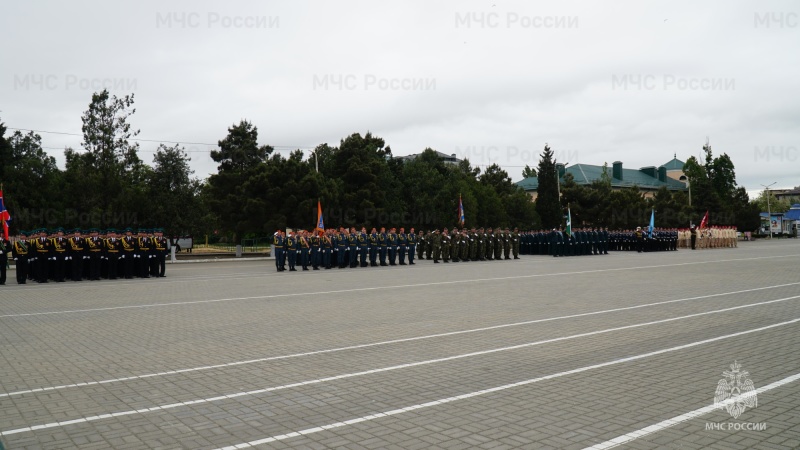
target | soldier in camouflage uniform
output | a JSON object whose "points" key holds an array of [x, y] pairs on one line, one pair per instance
{"points": [[498, 244], [445, 245], [515, 242], [473, 245]]}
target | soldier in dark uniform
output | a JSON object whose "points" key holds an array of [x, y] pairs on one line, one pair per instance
{"points": [[455, 238], [352, 241], [402, 241], [435, 246], [693, 231], [639, 239], [507, 244], [363, 247], [411, 238], [305, 248], [61, 253], [480, 241], [77, 253], [20, 252], [341, 247], [43, 249], [373, 247], [128, 254], [316, 242], [5, 247], [291, 251], [498, 243], [391, 242], [144, 245], [515, 242], [429, 244], [383, 242], [422, 241], [445, 245], [327, 248], [277, 242], [160, 247], [113, 254]]}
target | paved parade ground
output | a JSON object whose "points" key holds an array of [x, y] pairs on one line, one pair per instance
{"points": [[539, 352]]}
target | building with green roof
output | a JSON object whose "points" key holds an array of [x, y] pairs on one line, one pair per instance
{"points": [[648, 179]]}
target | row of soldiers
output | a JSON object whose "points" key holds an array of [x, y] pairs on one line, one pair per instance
{"points": [[358, 248], [58, 255], [558, 242], [708, 237]]}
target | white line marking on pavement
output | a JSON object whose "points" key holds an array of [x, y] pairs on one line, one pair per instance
{"points": [[393, 341], [379, 288], [497, 389], [390, 368], [625, 438]]}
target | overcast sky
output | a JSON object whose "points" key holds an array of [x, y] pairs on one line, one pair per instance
{"points": [[491, 80]]}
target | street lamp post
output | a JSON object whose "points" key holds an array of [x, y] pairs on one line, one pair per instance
{"points": [[769, 210]]}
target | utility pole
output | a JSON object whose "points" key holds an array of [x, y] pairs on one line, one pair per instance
{"points": [[769, 210]]}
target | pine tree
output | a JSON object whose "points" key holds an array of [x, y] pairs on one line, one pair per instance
{"points": [[547, 201]]}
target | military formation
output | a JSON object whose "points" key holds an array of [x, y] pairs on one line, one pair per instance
{"points": [[60, 255], [351, 248], [708, 237]]}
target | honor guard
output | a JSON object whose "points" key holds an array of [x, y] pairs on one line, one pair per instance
{"points": [[411, 239], [20, 252], [114, 254]]}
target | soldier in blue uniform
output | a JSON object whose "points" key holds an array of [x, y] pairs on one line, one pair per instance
{"points": [[383, 241], [401, 246], [392, 245], [291, 251], [161, 249], [373, 248], [316, 245], [411, 239], [341, 247], [352, 241], [278, 243], [327, 248], [363, 246]]}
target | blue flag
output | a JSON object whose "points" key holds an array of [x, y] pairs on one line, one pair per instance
{"points": [[460, 211], [652, 223]]}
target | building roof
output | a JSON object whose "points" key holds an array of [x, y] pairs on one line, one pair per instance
{"points": [[585, 174], [674, 164], [793, 213]]}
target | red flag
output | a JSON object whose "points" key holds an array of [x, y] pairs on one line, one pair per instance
{"points": [[4, 216], [704, 222]]}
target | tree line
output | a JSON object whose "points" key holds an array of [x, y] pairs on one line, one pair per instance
{"points": [[359, 182]]}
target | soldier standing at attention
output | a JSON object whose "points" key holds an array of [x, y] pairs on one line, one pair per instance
{"points": [[160, 245], [5, 247], [305, 246], [402, 241], [373, 247], [352, 240], [421, 242], [327, 248], [277, 242], [383, 242], [341, 244], [143, 247], [429, 244], [316, 246], [445, 245], [291, 250], [515, 241], [127, 254], [412, 245], [507, 244], [435, 245], [19, 252], [480, 239], [455, 238], [363, 246], [61, 252], [392, 243], [113, 250], [77, 254]]}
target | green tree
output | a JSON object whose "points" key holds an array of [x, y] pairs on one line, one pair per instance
{"points": [[547, 201], [239, 158], [31, 181], [528, 172], [173, 194]]}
